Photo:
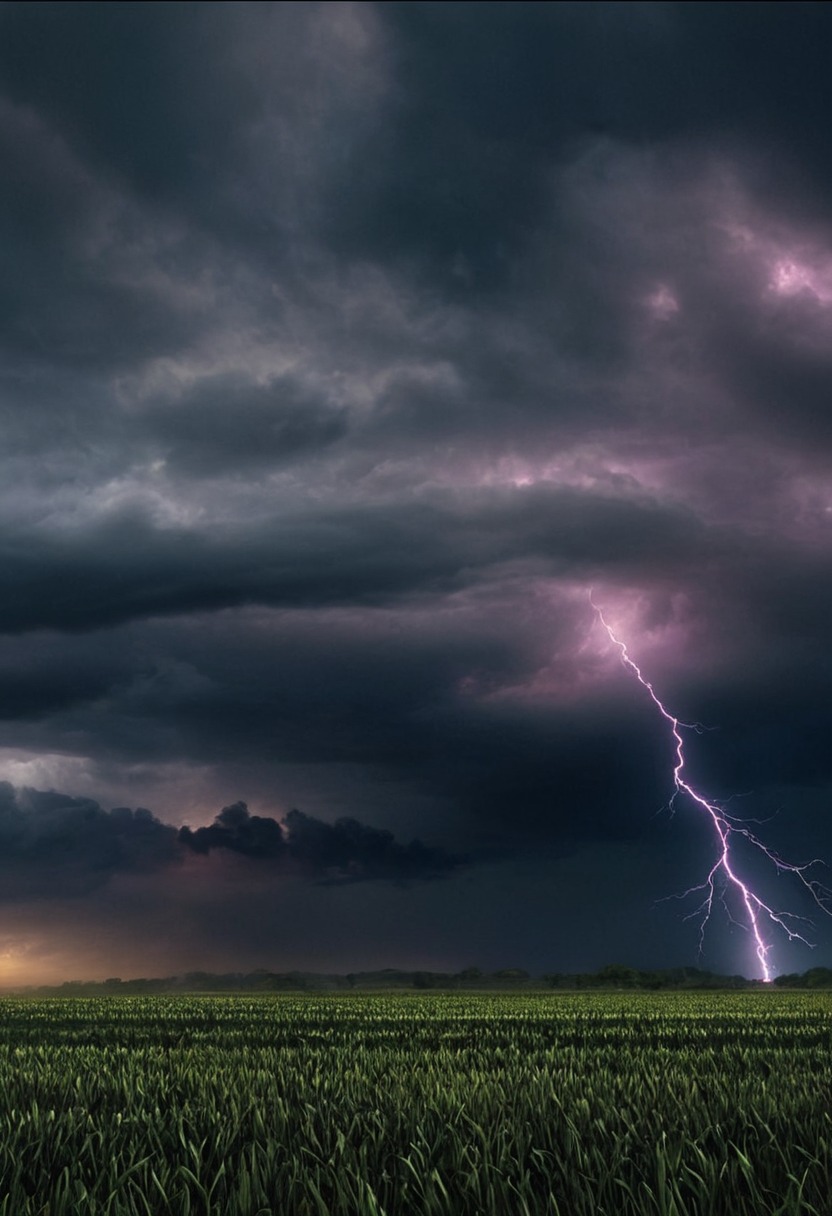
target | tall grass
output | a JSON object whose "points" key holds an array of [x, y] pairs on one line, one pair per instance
{"points": [[596, 1104]]}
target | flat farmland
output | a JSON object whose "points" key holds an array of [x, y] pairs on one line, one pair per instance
{"points": [[457, 1104]]}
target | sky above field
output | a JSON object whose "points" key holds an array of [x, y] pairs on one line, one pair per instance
{"points": [[345, 350]]}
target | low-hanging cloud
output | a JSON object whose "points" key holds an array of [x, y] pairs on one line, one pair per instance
{"points": [[54, 845], [339, 852]]}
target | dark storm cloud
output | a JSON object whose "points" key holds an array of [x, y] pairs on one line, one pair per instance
{"points": [[343, 347], [222, 117], [128, 566], [344, 851], [159, 71], [787, 382], [237, 830], [266, 687], [487, 101], [75, 292], [229, 423], [474, 713], [53, 845]]}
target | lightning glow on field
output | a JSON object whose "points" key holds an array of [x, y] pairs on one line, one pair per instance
{"points": [[723, 876]]}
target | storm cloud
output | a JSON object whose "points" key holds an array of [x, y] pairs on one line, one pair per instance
{"points": [[55, 846], [344, 348]]}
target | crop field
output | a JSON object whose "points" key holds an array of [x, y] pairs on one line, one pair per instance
{"points": [[601, 1104]]}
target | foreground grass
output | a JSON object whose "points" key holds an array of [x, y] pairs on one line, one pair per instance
{"points": [[596, 1104]]}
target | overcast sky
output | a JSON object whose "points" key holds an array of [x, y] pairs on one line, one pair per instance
{"points": [[345, 349]]}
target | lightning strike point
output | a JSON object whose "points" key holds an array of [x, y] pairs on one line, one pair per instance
{"points": [[723, 875]]}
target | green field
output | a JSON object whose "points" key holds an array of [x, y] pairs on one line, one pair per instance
{"points": [[341, 1105]]}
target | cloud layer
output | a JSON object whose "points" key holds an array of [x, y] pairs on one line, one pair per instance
{"points": [[344, 348]]}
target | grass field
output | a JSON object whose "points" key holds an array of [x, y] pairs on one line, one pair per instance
{"points": [[601, 1104]]}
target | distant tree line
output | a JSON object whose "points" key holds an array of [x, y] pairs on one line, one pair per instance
{"points": [[816, 977], [613, 977]]}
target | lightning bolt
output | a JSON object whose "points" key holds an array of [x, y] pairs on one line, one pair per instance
{"points": [[727, 829]]}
